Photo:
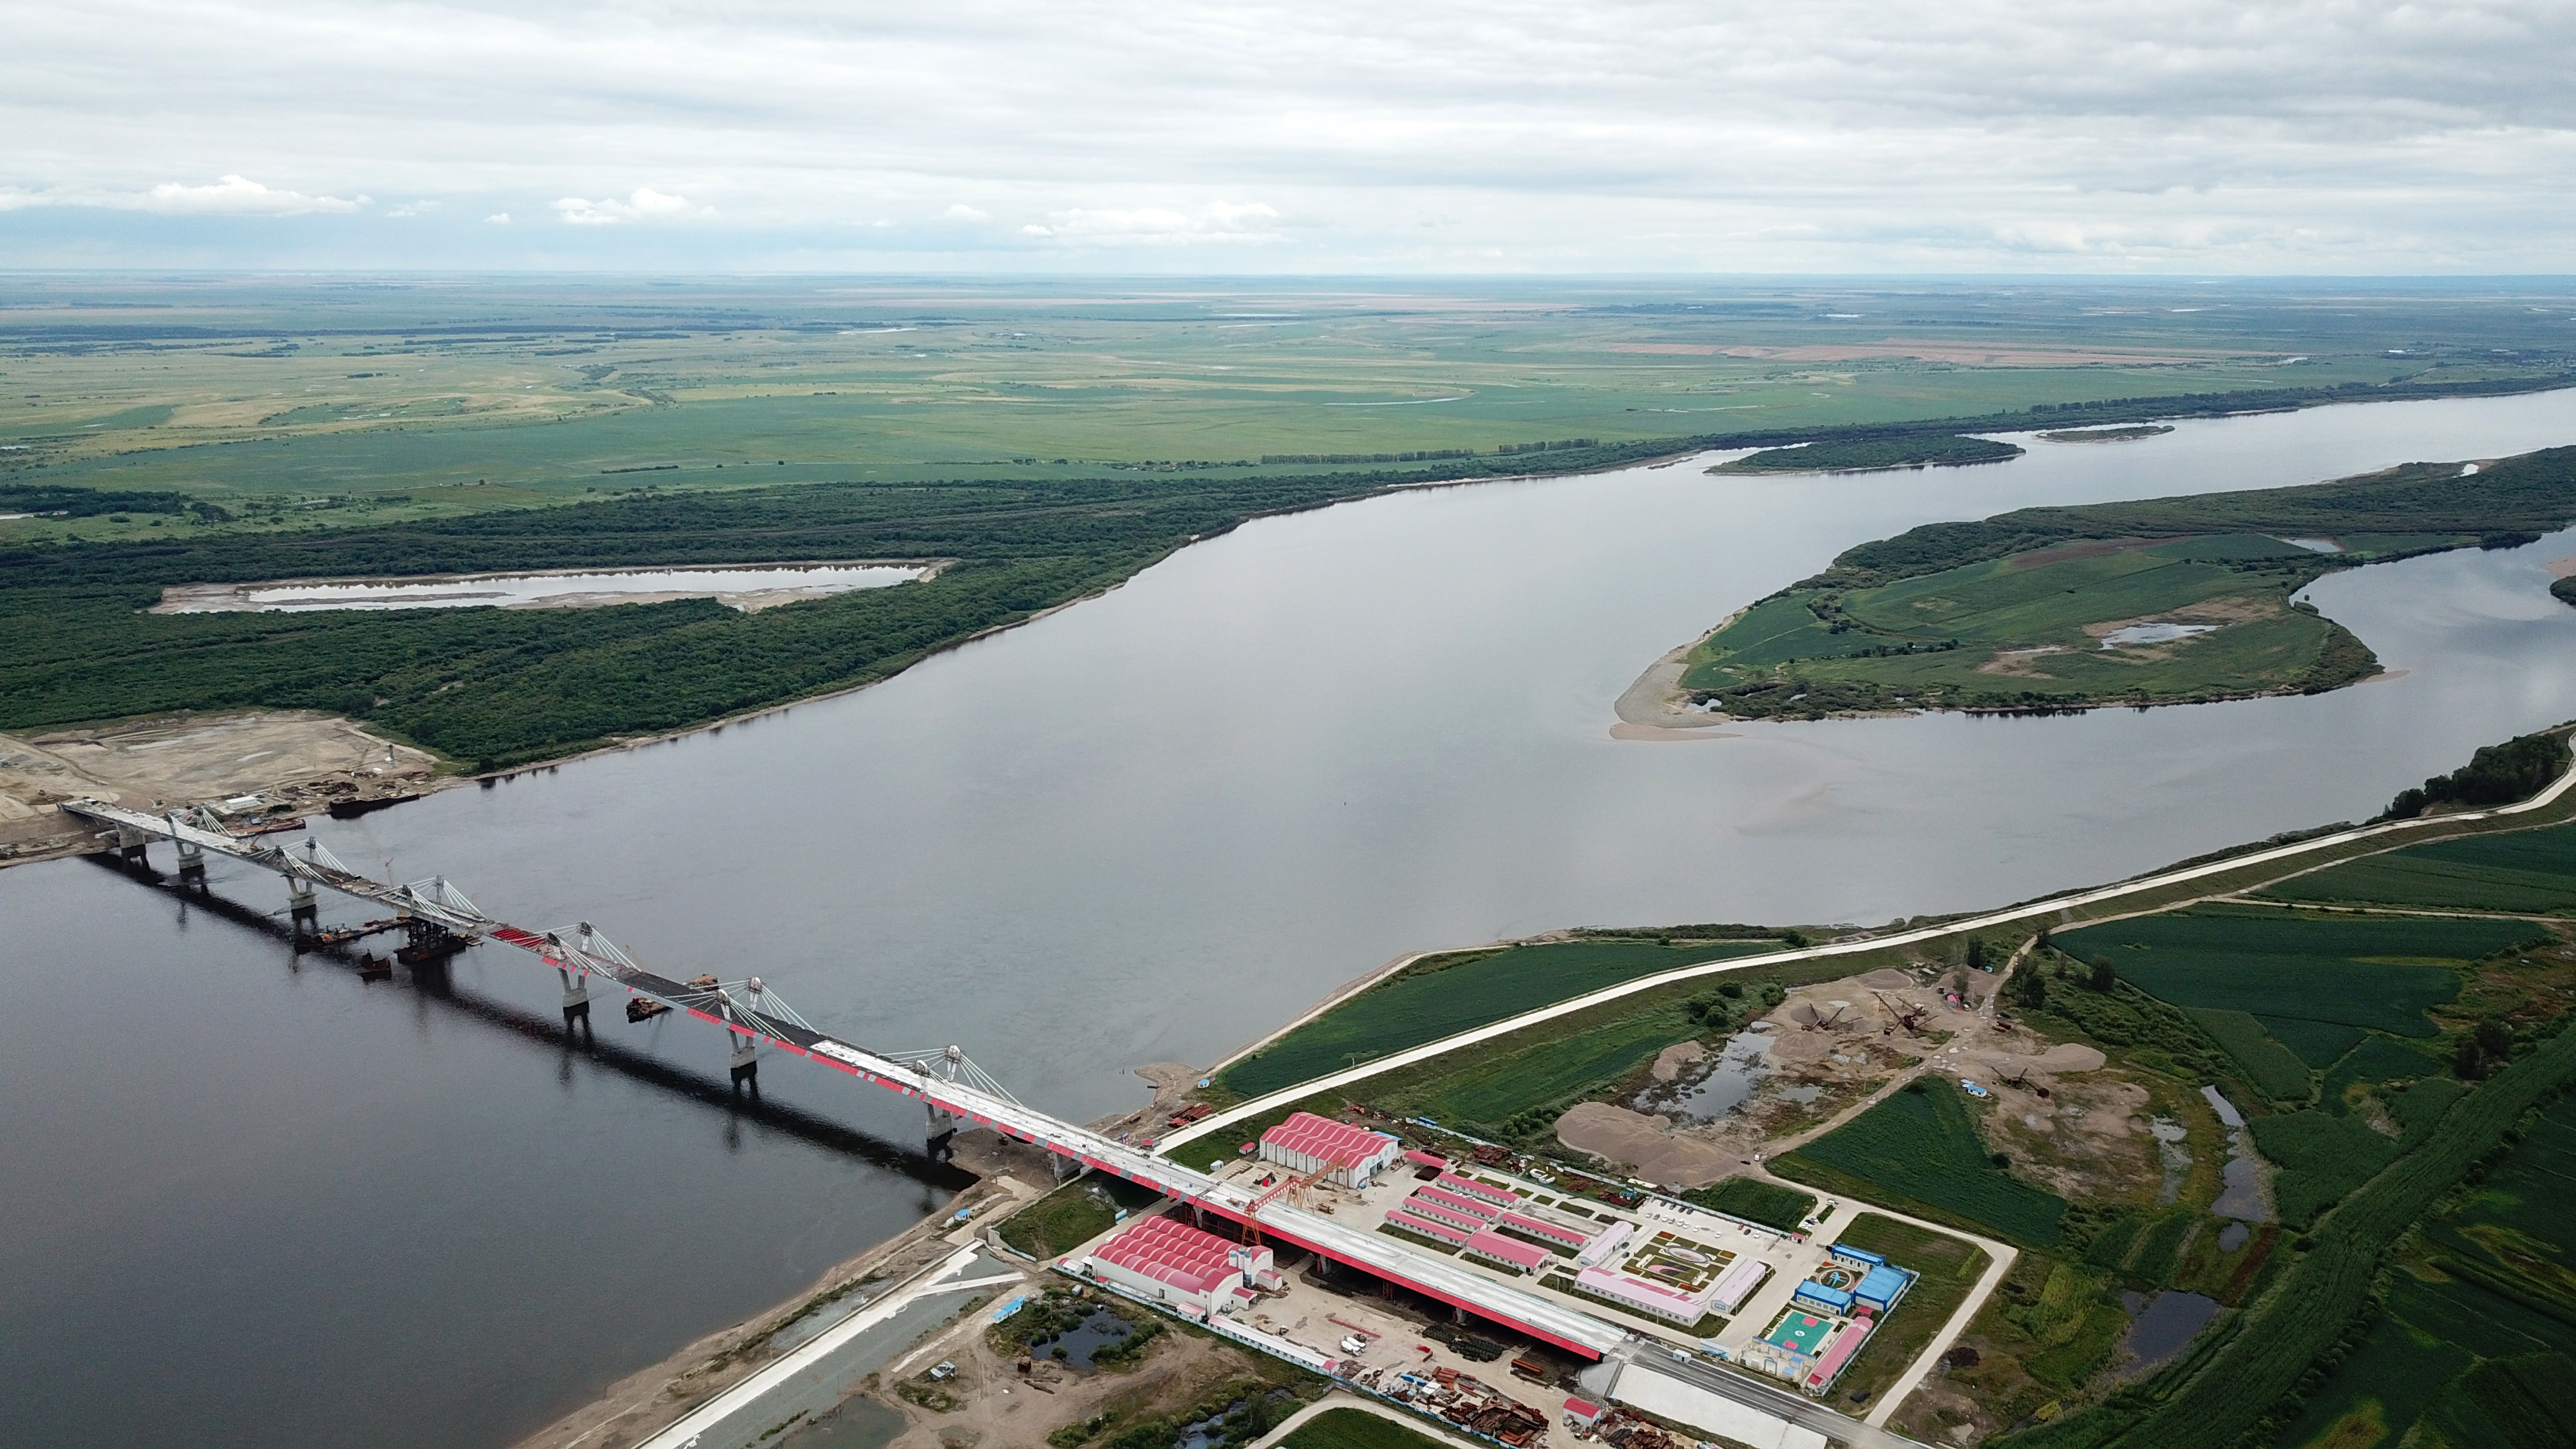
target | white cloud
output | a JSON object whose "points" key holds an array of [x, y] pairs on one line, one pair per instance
{"points": [[414, 208], [2227, 135], [229, 196], [499, 218], [240, 196], [645, 204], [1219, 221]]}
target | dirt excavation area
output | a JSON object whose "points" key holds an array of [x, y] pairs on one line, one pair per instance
{"points": [[256, 769], [1827, 1052]]}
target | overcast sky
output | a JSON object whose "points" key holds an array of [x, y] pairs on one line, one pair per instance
{"points": [[2146, 136]]}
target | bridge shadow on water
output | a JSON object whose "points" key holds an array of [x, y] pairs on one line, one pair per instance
{"points": [[431, 982]]}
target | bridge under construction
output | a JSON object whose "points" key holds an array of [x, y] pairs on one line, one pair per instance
{"points": [[438, 919]]}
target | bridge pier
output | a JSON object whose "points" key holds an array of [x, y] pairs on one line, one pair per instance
{"points": [[192, 864], [428, 942], [746, 1065], [131, 843], [576, 1003], [302, 911]]}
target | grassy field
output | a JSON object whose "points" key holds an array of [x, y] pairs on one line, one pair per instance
{"points": [[1757, 1201], [263, 390], [2527, 873], [1073, 1214], [2346, 974], [1443, 995], [1921, 1150], [2474, 1341], [2253, 1380], [2040, 608], [1355, 1429]]}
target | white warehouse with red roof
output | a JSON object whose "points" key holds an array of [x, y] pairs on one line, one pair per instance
{"points": [[1166, 1261], [1306, 1143]]}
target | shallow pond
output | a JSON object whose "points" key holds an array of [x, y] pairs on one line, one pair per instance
{"points": [[2165, 1325], [1075, 1346]]}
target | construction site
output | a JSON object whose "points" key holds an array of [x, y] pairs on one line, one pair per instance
{"points": [[255, 773]]}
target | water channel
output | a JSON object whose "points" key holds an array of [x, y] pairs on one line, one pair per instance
{"points": [[252, 1203]]}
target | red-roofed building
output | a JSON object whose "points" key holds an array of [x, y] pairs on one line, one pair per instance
{"points": [[1428, 1227], [1168, 1261], [1505, 1252], [1498, 1196], [1308, 1143], [1538, 1227], [1465, 1207]]}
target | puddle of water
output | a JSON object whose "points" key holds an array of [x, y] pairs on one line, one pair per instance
{"points": [[858, 1423], [2233, 1236], [2153, 634], [2242, 1195], [2171, 1155], [1804, 1096], [1730, 1080], [1097, 1331], [540, 590], [2164, 1327], [817, 1320]]}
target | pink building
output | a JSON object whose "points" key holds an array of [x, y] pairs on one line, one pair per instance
{"points": [[1168, 1261], [1308, 1143], [1503, 1252]]}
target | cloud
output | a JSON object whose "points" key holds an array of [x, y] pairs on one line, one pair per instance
{"points": [[645, 204], [1612, 135], [239, 196], [414, 208], [1219, 221], [228, 196], [498, 218]]}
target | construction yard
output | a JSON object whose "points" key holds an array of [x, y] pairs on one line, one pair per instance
{"points": [[254, 770]]}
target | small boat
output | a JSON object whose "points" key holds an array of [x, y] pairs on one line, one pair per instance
{"points": [[643, 1008]]}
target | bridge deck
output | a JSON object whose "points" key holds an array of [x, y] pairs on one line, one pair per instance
{"points": [[1438, 1277]]}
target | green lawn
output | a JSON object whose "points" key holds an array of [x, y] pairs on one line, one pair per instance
{"points": [[1449, 994]]}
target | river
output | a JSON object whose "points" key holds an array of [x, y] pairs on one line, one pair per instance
{"points": [[261, 1205]]}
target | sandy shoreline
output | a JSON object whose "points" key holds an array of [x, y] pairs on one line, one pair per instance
{"points": [[1656, 707]]}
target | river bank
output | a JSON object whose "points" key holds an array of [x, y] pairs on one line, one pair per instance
{"points": [[1139, 831]]}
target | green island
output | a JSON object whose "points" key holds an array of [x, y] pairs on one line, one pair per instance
{"points": [[2318, 1106], [1873, 455], [2165, 601], [2109, 435]]}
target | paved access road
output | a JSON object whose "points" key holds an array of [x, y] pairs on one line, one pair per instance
{"points": [[1751, 1392], [2009, 916]]}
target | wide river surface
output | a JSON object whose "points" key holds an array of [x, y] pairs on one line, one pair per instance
{"points": [[248, 1203]]}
